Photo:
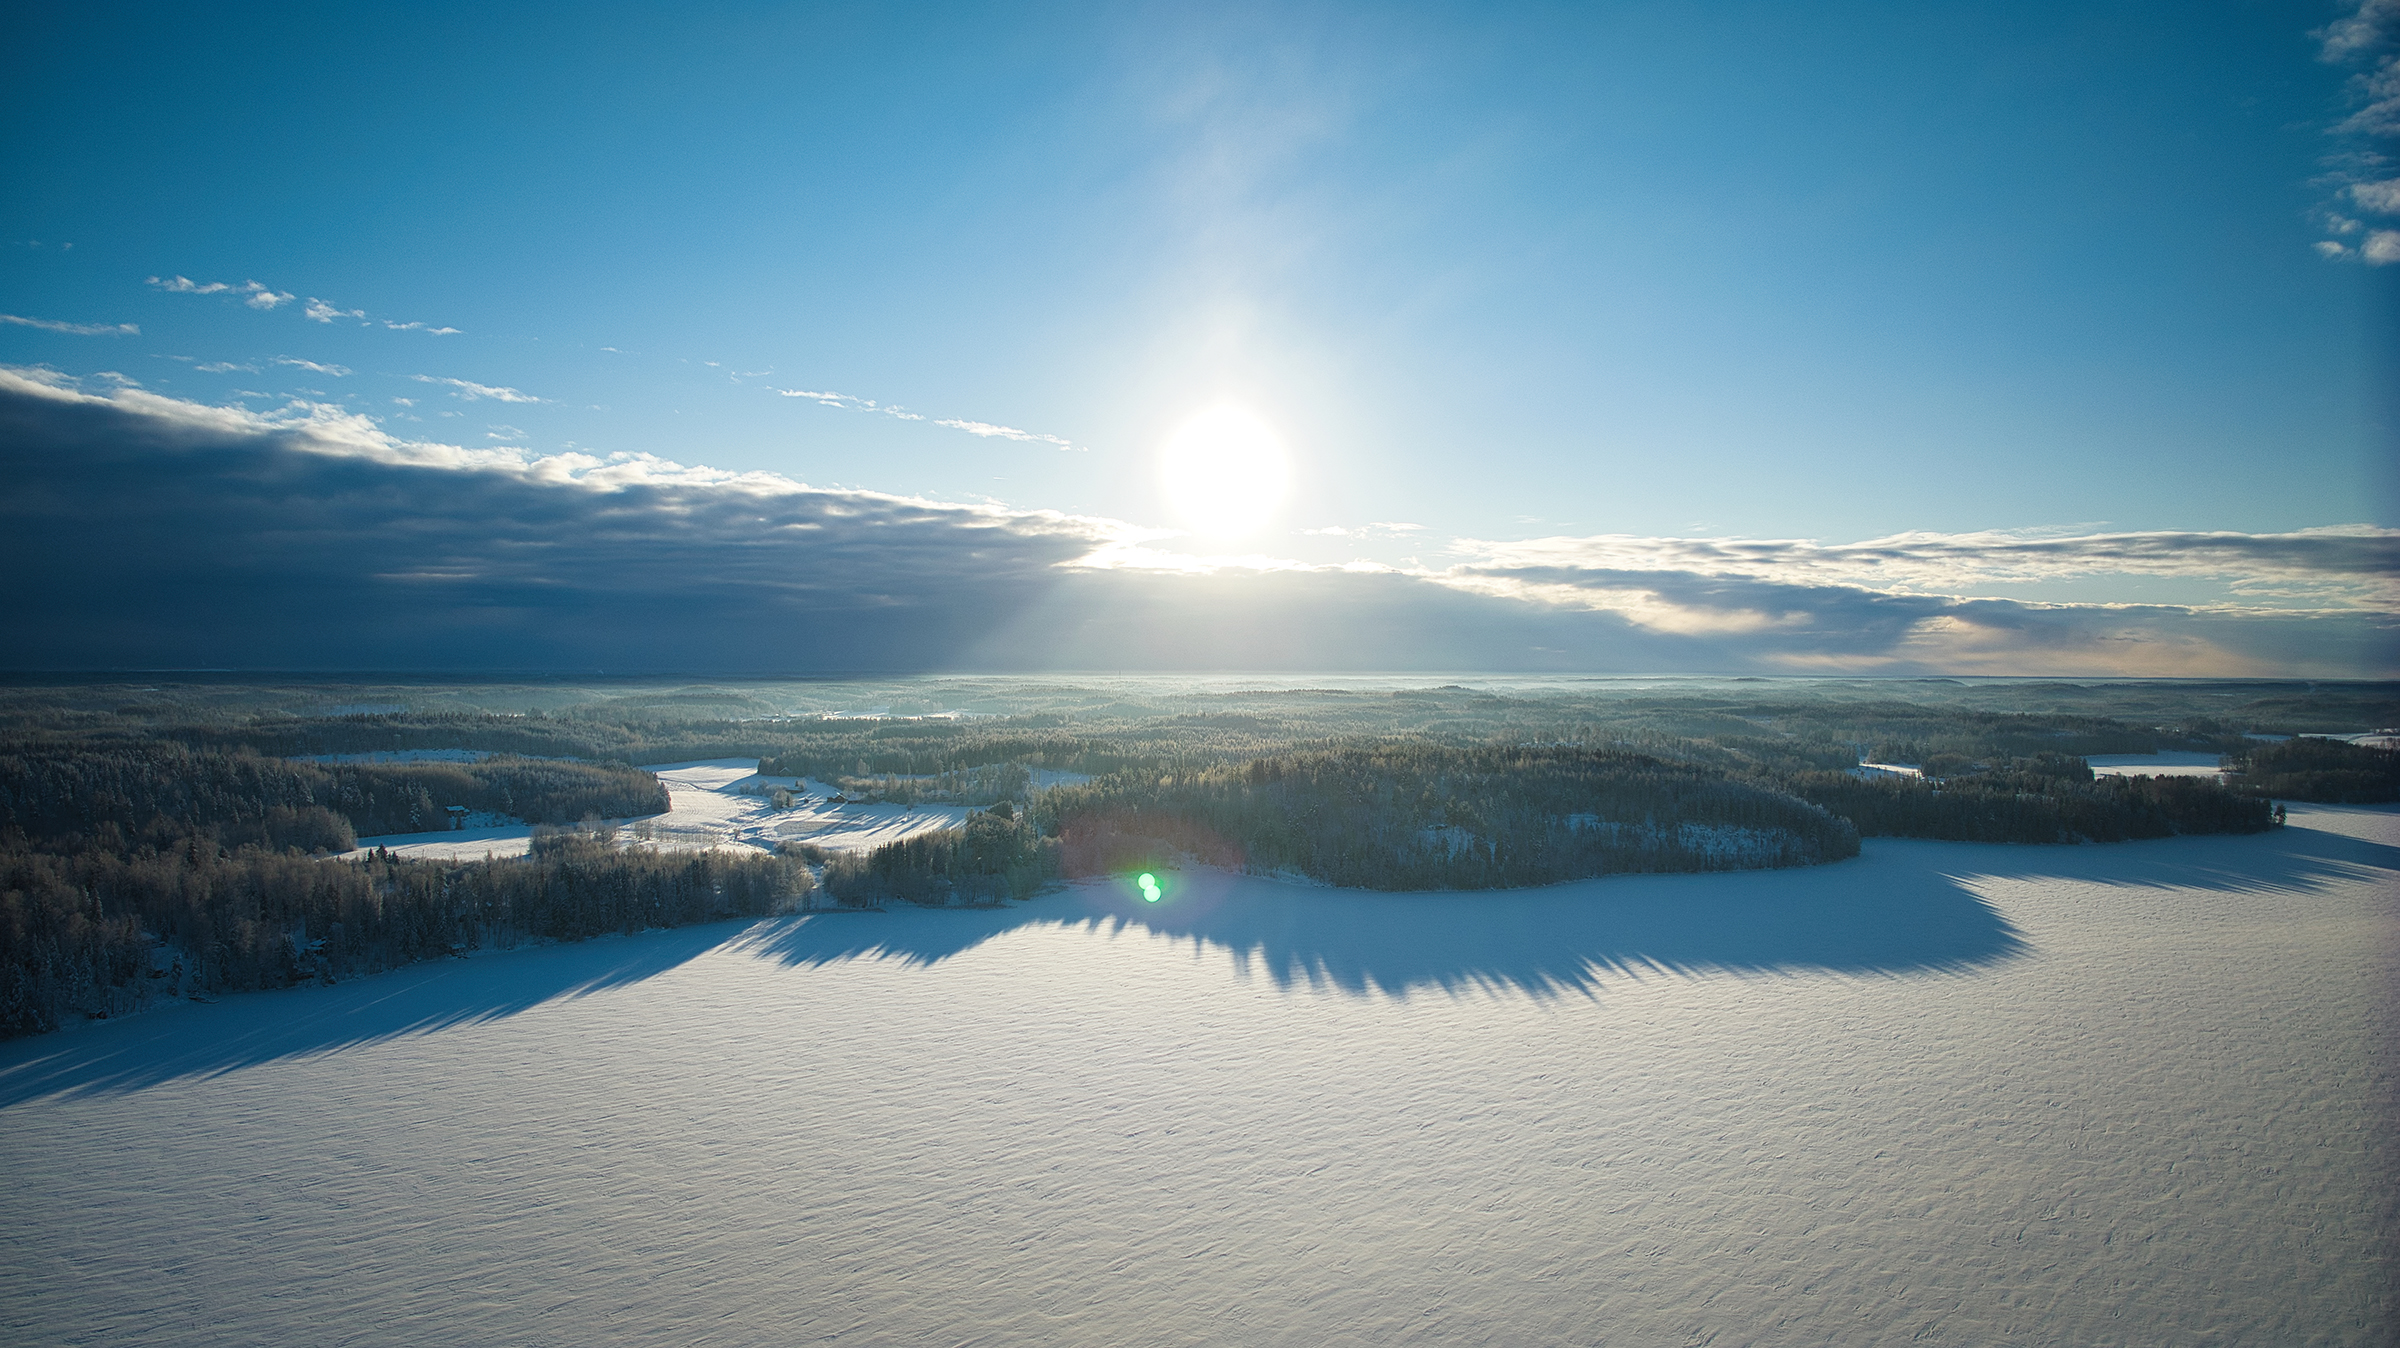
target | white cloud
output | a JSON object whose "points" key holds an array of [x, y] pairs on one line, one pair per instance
{"points": [[2365, 28], [266, 297], [2381, 247], [251, 292], [2383, 198], [2328, 248], [405, 402], [470, 390], [337, 371], [2380, 113], [225, 367], [75, 329], [323, 312]]}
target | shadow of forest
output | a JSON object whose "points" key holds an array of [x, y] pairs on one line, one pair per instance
{"points": [[1903, 909]]}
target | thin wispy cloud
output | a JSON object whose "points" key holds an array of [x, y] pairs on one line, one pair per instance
{"points": [[854, 404], [472, 391], [325, 311], [249, 292], [337, 371], [2368, 38], [259, 296], [73, 329], [989, 430]]}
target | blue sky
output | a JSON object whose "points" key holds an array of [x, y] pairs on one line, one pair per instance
{"points": [[1515, 276]]}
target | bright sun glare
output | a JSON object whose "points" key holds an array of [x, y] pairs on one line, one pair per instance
{"points": [[1224, 471]]}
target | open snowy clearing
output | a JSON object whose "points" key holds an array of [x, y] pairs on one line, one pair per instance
{"points": [[2173, 763], [1942, 1094], [708, 807]]}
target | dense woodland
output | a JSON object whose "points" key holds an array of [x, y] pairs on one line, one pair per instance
{"points": [[135, 869], [95, 933], [160, 840], [1430, 817], [2326, 771], [996, 855], [63, 794], [2023, 802]]}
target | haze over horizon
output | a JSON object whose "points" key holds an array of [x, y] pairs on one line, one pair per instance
{"points": [[2015, 340]]}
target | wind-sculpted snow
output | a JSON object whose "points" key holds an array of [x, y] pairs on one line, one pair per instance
{"points": [[1939, 1095]]}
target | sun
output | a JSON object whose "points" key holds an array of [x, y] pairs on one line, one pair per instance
{"points": [[1224, 471]]}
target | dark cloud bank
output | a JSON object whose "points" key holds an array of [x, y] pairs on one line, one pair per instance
{"points": [[141, 532]]}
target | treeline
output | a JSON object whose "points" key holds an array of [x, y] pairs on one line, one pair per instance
{"points": [[2032, 801], [978, 786], [996, 855], [128, 795], [2330, 772], [834, 751], [97, 934], [1435, 817]]}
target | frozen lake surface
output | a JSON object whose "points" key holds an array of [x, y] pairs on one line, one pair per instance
{"points": [[1942, 1094]]}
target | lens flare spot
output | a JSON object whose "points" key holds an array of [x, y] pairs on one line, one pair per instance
{"points": [[1149, 884]]}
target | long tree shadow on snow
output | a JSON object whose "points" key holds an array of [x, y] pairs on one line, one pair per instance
{"points": [[245, 1030], [1905, 909]]}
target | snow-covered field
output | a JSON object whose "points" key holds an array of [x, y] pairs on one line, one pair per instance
{"points": [[1943, 1094], [708, 808]]}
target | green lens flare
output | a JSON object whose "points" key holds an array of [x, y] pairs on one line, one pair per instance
{"points": [[1149, 884]]}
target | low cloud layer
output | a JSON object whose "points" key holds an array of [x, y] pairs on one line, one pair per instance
{"points": [[2344, 566], [145, 532]]}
